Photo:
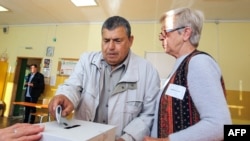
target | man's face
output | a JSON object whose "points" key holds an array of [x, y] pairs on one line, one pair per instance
{"points": [[115, 45], [33, 69]]}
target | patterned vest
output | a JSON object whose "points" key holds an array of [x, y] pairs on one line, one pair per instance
{"points": [[175, 114]]}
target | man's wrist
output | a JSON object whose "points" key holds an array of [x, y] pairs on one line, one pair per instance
{"points": [[127, 137]]}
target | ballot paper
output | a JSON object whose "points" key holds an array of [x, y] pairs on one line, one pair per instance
{"points": [[84, 131], [62, 120]]}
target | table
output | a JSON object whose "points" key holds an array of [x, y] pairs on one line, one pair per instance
{"points": [[30, 104]]}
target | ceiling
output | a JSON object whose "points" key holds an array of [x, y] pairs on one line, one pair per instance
{"points": [[64, 11]]}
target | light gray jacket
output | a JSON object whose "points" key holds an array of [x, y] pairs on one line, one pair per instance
{"points": [[132, 104]]}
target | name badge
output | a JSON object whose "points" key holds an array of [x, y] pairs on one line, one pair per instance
{"points": [[176, 91]]}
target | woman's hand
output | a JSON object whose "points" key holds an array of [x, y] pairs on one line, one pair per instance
{"points": [[21, 132]]}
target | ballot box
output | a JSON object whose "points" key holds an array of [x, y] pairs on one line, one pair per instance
{"points": [[78, 130]]}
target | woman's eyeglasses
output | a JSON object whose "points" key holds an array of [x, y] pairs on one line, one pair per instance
{"points": [[164, 34]]}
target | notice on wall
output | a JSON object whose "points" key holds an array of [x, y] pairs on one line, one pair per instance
{"points": [[67, 66], [162, 62], [52, 80], [47, 67]]}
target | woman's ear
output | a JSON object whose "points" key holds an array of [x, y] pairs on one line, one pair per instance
{"points": [[187, 33]]}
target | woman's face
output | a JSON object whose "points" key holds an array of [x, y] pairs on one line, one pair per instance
{"points": [[171, 39]]}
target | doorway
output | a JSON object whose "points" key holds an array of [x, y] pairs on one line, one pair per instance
{"points": [[21, 71]]}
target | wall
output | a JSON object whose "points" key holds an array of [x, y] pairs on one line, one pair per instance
{"points": [[226, 42]]}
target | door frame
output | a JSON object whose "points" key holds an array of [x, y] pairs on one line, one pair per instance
{"points": [[17, 74]]}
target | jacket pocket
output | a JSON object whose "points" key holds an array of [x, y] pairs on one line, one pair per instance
{"points": [[133, 108]]}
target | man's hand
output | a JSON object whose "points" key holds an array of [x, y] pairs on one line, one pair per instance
{"points": [[67, 105], [155, 139], [29, 84], [120, 139]]}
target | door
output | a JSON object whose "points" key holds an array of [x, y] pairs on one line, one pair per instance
{"points": [[22, 69]]}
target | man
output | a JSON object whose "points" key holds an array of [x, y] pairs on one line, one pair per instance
{"points": [[192, 105], [34, 88], [113, 86]]}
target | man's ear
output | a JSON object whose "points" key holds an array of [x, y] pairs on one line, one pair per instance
{"points": [[131, 39]]}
